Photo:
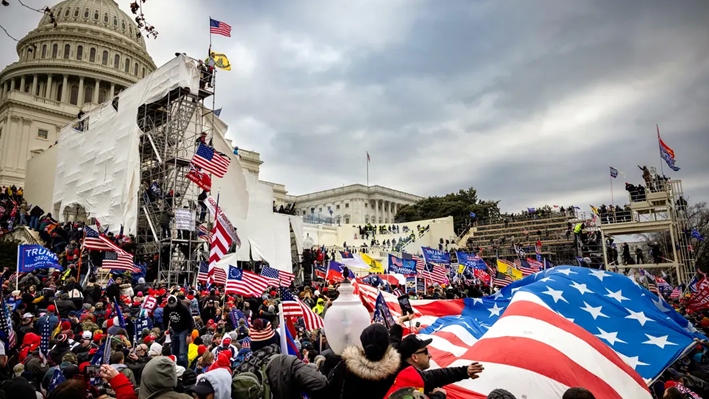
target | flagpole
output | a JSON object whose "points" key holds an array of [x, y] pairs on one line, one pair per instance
{"points": [[17, 272], [367, 168], [662, 168]]}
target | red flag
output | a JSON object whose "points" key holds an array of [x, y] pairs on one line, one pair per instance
{"points": [[700, 299], [201, 179]]}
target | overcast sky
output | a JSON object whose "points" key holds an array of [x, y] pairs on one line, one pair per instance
{"points": [[530, 102]]}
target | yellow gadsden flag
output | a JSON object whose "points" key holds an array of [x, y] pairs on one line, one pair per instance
{"points": [[511, 271], [374, 265], [220, 61]]}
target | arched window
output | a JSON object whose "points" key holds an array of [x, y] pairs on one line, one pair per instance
{"points": [[96, 15], [101, 96], [105, 18], [143, 72], [55, 50], [92, 55], [59, 92], [130, 29], [115, 20], [104, 58], [44, 51], [76, 12], [127, 66], [123, 24], [86, 13], [67, 50], [66, 13], [88, 94], [79, 52], [74, 95], [135, 69], [117, 61]]}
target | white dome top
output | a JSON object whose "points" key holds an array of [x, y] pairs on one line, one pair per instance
{"points": [[101, 13]]}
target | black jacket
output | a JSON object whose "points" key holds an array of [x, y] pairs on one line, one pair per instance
{"points": [[356, 375], [288, 377], [179, 318]]}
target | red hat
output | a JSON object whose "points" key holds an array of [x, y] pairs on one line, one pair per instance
{"points": [[173, 358], [148, 340], [670, 384], [66, 325], [109, 322], [139, 294], [273, 293], [201, 349], [51, 309], [190, 297], [97, 337]]}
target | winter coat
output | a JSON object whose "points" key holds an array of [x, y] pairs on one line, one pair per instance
{"points": [[123, 388], [356, 374], [221, 382], [123, 369], [289, 377], [159, 380]]}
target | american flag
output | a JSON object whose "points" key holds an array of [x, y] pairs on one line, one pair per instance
{"points": [[118, 261], [203, 274], [204, 233], [602, 314], [218, 276], [6, 325], [525, 267], [293, 307], [202, 180], [535, 264], [501, 280], [44, 336], [278, 278], [219, 245], [219, 28], [438, 273], [211, 161], [246, 343], [57, 379], [245, 283], [676, 293], [98, 242], [420, 265]]}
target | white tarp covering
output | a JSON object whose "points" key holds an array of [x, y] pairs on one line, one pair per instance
{"points": [[296, 223], [99, 167], [234, 198]]}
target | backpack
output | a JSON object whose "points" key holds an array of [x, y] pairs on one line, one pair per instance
{"points": [[246, 385], [255, 366]]}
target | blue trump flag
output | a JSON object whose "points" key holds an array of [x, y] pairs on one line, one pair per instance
{"points": [[35, 256], [471, 261], [638, 325], [57, 378], [402, 266], [435, 256], [382, 314]]}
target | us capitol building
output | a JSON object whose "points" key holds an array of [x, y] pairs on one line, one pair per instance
{"points": [[92, 54]]}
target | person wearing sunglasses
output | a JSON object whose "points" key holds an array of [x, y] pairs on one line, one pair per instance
{"points": [[414, 353]]}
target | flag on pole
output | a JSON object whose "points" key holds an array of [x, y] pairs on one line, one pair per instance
{"points": [[614, 172], [219, 28], [368, 158], [220, 61], [57, 379], [201, 179], [210, 160], [666, 152]]}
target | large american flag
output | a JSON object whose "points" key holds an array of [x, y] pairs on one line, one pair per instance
{"points": [[118, 261], [211, 160], [219, 245], [219, 28], [293, 307], [604, 317], [437, 273], [277, 278], [243, 282], [218, 276], [98, 242], [525, 267], [204, 233], [203, 273]]}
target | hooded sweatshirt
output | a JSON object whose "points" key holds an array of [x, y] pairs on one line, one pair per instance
{"points": [[221, 382], [159, 380]]}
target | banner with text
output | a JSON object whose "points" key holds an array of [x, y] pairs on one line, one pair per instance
{"points": [[406, 267], [700, 299], [431, 255], [35, 256], [212, 206], [471, 261]]}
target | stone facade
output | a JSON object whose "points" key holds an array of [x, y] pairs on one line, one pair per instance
{"points": [[92, 54], [353, 204]]}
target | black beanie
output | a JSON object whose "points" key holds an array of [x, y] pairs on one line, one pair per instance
{"points": [[375, 341]]}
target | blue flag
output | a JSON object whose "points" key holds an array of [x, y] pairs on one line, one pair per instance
{"points": [[35, 256], [638, 325], [101, 357], [119, 313], [57, 378], [382, 314]]}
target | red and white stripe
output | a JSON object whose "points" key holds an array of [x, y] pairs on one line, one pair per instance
{"points": [[676, 293], [219, 245], [535, 264], [218, 276], [526, 271], [571, 356], [311, 320], [439, 274], [502, 282], [285, 278], [251, 284]]}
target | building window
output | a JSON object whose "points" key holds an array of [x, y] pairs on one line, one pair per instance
{"points": [[76, 13], [88, 94], [79, 52], [143, 72], [67, 50], [117, 61], [74, 97], [304, 212], [347, 220], [347, 205], [105, 18], [127, 65], [319, 210], [366, 205], [101, 96], [337, 207], [0, 132], [66, 13], [59, 92], [123, 24], [115, 21], [96, 15], [104, 58], [92, 55], [366, 218], [42, 134], [130, 29], [135, 69], [86, 13], [55, 50], [44, 51]]}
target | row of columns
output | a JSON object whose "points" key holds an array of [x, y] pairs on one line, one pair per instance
{"points": [[66, 90], [387, 212]]}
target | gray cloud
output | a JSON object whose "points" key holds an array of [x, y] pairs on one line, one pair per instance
{"points": [[529, 102]]}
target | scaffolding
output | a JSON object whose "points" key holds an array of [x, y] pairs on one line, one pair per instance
{"points": [[658, 209], [168, 216]]}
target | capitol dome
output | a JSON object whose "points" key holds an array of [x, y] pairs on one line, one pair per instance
{"points": [[94, 51]]}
